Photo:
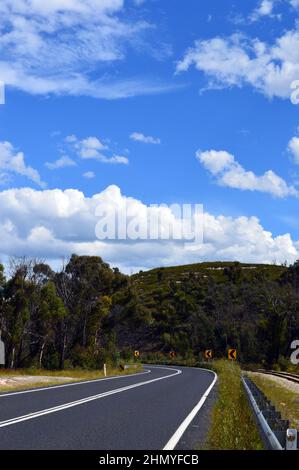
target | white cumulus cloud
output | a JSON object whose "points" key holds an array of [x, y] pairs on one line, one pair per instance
{"points": [[293, 147], [265, 8], [89, 175], [52, 224], [239, 60], [146, 139], [61, 162], [13, 162], [228, 172], [93, 148]]}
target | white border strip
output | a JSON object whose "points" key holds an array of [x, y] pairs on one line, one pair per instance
{"points": [[71, 384], [171, 444], [55, 409]]}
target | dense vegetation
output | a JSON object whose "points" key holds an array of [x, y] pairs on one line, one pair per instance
{"points": [[88, 313]]}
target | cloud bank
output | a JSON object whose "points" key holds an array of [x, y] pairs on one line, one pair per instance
{"points": [[52, 224]]}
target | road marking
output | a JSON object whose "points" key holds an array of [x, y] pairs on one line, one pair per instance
{"points": [[187, 421], [52, 387], [55, 409]]}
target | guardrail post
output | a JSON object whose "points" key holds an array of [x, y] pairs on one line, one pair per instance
{"points": [[291, 439], [105, 370]]}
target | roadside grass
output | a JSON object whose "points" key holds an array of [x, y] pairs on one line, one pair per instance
{"points": [[293, 369], [233, 426], [57, 377], [285, 400]]}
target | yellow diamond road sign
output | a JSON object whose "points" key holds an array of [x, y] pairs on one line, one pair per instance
{"points": [[232, 354], [208, 353], [136, 353]]}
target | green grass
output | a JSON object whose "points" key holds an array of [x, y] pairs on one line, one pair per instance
{"points": [[293, 369], [233, 426], [77, 374], [286, 401]]}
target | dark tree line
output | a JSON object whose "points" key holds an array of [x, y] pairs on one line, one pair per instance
{"points": [[48, 318], [88, 313]]}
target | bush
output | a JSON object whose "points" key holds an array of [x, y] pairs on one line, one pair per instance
{"points": [[283, 363]]}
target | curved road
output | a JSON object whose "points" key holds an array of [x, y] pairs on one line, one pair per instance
{"points": [[149, 410]]}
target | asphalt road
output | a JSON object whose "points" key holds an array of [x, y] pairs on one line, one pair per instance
{"points": [[145, 411]]}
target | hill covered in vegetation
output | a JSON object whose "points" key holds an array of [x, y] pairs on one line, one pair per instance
{"points": [[88, 313]]}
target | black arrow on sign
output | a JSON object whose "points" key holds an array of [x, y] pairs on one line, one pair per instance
{"points": [[232, 354], [208, 354]]}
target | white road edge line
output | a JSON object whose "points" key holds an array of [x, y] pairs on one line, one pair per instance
{"points": [[55, 409], [72, 384], [171, 444]]}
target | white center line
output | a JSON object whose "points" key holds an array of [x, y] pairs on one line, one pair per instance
{"points": [[65, 406], [72, 384]]}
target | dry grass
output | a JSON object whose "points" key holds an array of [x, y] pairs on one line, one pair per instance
{"points": [[233, 426], [23, 379], [283, 398]]}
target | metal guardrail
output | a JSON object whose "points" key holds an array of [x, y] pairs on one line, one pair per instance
{"points": [[274, 431], [268, 436]]}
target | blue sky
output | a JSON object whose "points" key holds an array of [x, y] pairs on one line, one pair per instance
{"points": [[163, 101]]}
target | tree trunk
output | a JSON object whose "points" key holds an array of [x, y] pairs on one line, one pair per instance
{"points": [[41, 354], [19, 355], [84, 331], [97, 339], [12, 358], [62, 352]]}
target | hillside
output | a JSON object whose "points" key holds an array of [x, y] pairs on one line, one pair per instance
{"points": [[147, 282], [88, 313]]}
